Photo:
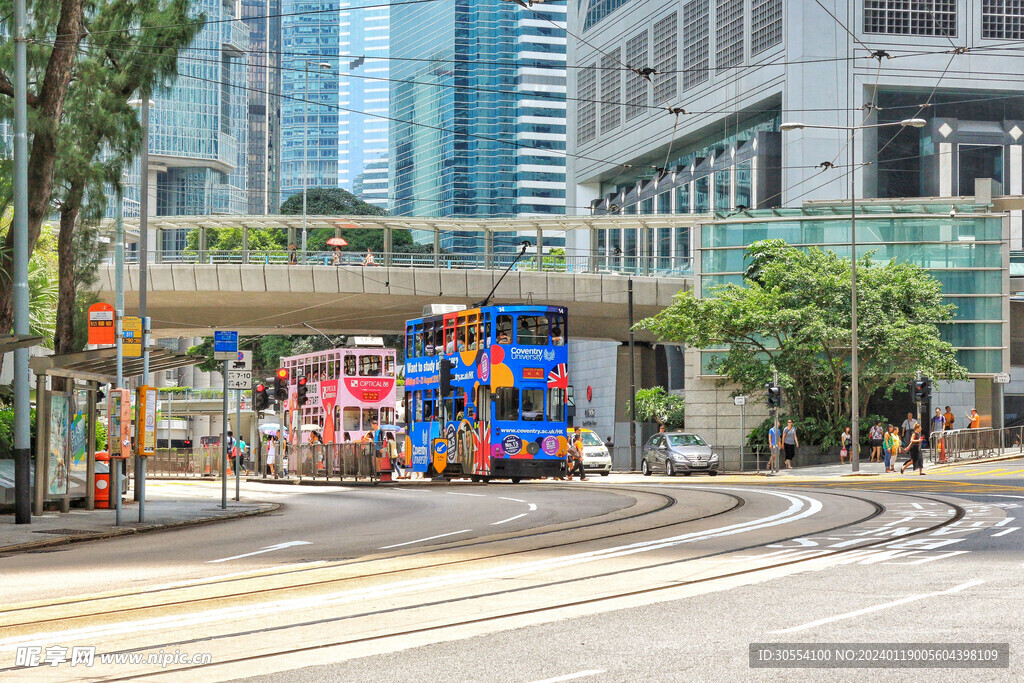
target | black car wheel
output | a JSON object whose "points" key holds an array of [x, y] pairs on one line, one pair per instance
{"points": [[645, 468], [605, 474], [713, 473], [670, 469]]}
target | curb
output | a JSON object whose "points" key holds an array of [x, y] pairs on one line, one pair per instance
{"points": [[127, 531], [998, 458]]}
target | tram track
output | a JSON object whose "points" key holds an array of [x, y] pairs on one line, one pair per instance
{"points": [[957, 513], [668, 503]]}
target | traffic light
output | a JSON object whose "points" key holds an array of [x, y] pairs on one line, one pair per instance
{"points": [[260, 400], [446, 377], [774, 395], [281, 384], [300, 392], [921, 389]]}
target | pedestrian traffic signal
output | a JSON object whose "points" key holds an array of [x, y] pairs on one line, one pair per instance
{"points": [[774, 395], [446, 377], [300, 392], [281, 384], [260, 400], [921, 389]]}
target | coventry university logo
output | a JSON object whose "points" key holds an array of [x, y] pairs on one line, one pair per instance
{"points": [[549, 355]]}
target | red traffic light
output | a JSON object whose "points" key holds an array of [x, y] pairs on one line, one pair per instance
{"points": [[282, 373], [260, 388], [302, 381]]}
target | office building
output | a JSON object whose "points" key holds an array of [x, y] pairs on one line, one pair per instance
{"points": [[263, 19], [478, 109]]}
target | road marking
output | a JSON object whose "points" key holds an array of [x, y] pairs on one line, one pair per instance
{"points": [[916, 505], [514, 500], [428, 538], [1008, 530], [532, 507], [1004, 521], [508, 520], [800, 507], [876, 608], [268, 549], [475, 495], [570, 677]]}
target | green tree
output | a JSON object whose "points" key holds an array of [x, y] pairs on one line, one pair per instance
{"points": [[659, 406], [794, 314], [334, 201]]}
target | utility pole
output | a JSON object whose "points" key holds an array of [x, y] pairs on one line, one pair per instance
{"points": [[22, 417], [140, 462], [778, 434], [632, 380]]}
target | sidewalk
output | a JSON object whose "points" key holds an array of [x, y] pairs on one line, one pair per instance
{"points": [[55, 528]]}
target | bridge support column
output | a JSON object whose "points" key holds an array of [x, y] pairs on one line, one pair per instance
{"points": [[645, 370], [437, 248], [202, 243], [245, 243], [488, 249], [593, 251], [540, 249], [388, 236]]}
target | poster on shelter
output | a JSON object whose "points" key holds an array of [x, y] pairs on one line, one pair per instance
{"points": [[78, 443], [56, 464]]}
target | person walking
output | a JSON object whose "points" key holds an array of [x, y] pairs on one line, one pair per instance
{"points": [[773, 447], [916, 460], [907, 429], [271, 456], [293, 255], [938, 424], [790, 442], [392, 453], [845, 440], [875, 437], [891, 447], [576, 453]]}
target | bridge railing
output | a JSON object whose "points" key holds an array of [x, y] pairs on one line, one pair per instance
{"points": [[549, 263], [958, 445]]}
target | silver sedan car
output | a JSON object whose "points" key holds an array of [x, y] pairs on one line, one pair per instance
{"points": [[678, 452]]}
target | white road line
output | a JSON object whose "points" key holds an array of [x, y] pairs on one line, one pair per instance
{"points": [[475, 495], [876, 608], [428, 538], [1008, 530], [532, 507], [268, 549], [1004, 521], [800, 507], [508, 520], [916, 505], [514, 500], [570, 677]]}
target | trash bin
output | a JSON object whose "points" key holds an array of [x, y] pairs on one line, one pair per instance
{"points": [[103, 480]]}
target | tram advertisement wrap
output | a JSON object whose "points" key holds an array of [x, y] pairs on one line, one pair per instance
{"points": [[328, 399]]}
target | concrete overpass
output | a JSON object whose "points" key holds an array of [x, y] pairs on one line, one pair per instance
{"points": [[193, 299]]}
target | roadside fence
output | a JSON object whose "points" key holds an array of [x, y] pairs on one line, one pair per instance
{"points": [[959, 445]]}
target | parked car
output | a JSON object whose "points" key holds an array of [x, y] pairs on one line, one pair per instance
{"points": [[596, 457], [678, 452]]}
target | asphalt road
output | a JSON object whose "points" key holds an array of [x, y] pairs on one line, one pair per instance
{"points": [[624, 578]]}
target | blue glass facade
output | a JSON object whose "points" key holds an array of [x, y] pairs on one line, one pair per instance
{"points": [[968, 253], [310, 35], [479, 118]]}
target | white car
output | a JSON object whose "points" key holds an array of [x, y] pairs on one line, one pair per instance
{"points": [[596, 457]]}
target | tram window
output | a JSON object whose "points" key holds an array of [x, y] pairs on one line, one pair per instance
{"points": [[556, 405], [350, 366], [533, 330], [369, 366], [471, 339], [418, 343], [486, 340], [409, 336], [460, 406], [533, 404], [438, 337], [460, 334], [387, 416], [409, 407], [558, 331], [350, 418], [389, 366], [449, 341], [508, 403], [370, 414], [504, 329]]}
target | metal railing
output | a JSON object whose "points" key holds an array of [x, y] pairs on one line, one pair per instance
{"points": [[548, 263], [337, 461], [958, 445]]}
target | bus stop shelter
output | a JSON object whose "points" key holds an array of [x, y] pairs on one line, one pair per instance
{"points": [[66, 420]]}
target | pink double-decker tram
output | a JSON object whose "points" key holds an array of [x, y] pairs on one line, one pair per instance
{"points": [[347, 389]]}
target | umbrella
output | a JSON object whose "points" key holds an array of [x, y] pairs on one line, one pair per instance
{"points": [[337, 242], [311, 428], [270, 428]]}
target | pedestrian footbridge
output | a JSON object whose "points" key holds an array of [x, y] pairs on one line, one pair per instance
{"points": [[194, 291]]}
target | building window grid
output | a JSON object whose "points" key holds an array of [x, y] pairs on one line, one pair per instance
{"points": [[696, 43], [1002, 19], [664, 59], [636, 85], [728, 34], [611, 91], [586, 91], [766, 25], [911, 17]]}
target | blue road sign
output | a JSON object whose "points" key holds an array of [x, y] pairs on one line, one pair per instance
{"points": [[225, 345]]}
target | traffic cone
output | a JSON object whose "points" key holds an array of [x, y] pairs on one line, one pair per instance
{"points": [[942, 451]]}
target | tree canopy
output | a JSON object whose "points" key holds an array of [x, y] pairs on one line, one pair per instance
{"points": [[793, 312], [658, 405]]}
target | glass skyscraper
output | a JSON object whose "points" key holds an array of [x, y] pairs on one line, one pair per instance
{"points": [[478, 109], [263, 18]]}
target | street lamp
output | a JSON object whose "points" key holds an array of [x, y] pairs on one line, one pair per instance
{"points": [[305, 145], [854, 369]]}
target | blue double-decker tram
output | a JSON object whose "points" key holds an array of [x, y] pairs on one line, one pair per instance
{"points": [[486, 392]]}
